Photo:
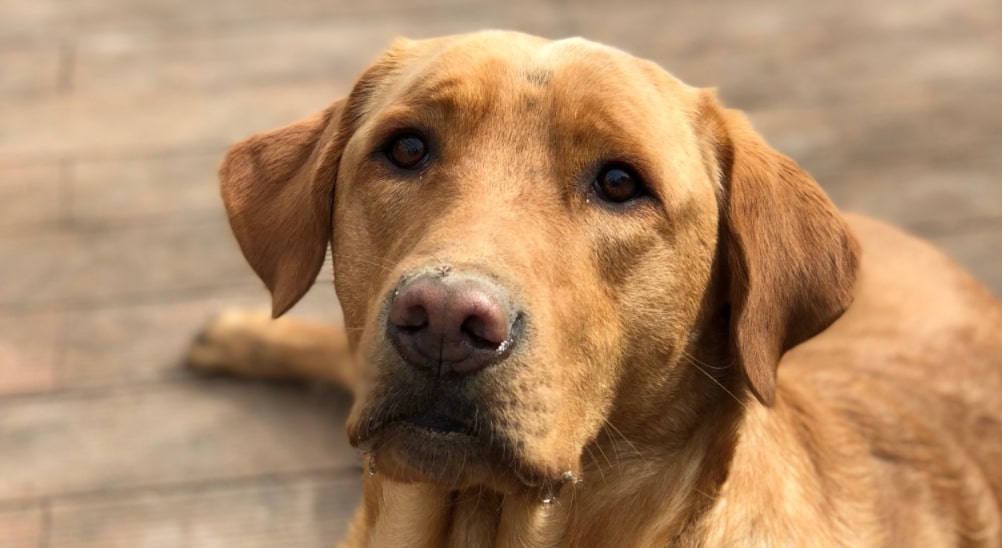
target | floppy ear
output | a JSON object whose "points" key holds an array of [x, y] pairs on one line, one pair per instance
{"points": [[791, 258], [278, 189]]}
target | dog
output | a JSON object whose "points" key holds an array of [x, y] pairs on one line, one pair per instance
{"points": [[586, 305]]}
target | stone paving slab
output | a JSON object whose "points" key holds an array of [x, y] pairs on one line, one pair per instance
{"points": [[318, 49], [86, 268], [31, 196], [130, 344], [150, 436], [31, 71], [911, 122], [308, 512], [33, 21], [30, 352], [22, 527], [146, 191], [98, 126], [912, 194]]}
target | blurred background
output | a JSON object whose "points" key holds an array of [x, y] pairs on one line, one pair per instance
{"points": [[114, 249]]}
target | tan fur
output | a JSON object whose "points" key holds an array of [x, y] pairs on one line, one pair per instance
{"points": [[649, 396]]}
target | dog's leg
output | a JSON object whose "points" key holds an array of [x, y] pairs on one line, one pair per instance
{"points": [[252, 344]]}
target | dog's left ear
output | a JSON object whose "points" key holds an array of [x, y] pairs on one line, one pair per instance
{"points": [[791, 258], [278, 189]]}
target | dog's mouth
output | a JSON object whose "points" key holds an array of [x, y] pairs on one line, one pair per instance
{"points": [[430, 432], [436, 423], [435, 447], [442, 445]]}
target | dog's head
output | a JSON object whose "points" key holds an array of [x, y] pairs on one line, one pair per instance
{"points": [[533, 241]]}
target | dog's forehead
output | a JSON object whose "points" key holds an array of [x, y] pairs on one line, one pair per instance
{"points": [[572, 70], [523, 54]]}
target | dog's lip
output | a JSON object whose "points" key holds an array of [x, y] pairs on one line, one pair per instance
{"points": [[441, 437], [436, 422], [427, 422]]}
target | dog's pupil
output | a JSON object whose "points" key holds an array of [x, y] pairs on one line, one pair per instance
{"points": [[618, 185], [407, 151]]}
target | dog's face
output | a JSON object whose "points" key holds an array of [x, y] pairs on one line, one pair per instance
{"points": [[527, 249], [516, 174]]}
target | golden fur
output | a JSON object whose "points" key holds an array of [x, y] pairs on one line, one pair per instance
{"points": [[644, 406]]}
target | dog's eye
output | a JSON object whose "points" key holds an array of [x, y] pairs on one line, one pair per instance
{"points": [[407, 151], [617, 184]]}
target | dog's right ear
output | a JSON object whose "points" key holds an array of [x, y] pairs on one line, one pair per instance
{"points": [[278, 189], [792, 260]]}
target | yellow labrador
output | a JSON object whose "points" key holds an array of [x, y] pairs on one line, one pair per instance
{"points": [[568, 280]]}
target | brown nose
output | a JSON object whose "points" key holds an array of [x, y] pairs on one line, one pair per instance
{"points": [[452, 323]]}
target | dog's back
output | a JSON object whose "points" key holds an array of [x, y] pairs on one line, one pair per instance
{"points": [[914, 368]]}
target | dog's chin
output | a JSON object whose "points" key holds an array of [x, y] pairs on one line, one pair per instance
{"points": [[434, 449], [408, 452]]}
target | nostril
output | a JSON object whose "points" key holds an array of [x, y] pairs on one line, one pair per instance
{"points": [[410, 318], [414, 308], [483, 320], [484, 332], [473, 328]]}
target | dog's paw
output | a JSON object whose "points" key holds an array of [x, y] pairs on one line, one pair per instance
{"points": [[234, 342]]}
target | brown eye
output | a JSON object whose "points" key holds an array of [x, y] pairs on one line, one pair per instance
{"points": [[617, 184], [407, 151]]}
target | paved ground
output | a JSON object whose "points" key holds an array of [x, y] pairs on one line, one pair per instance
{"points": [[113, 250]]}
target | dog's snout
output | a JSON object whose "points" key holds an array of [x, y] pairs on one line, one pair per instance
{"points": [[452, 323]]}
